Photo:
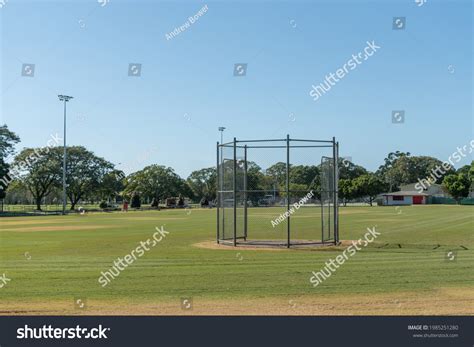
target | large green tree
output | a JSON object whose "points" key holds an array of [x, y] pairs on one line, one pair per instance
{"points": [[17, 193], [259, 183], [277, 173], [347, 190], [368, 186], [39, 170], [111, 185], [156, 181], [305, 175], [471, 174], [84, 172], [349, 170], [458, 185], [468, 170], [386, 171], [203, 183], [8, 139], [405, 169]]}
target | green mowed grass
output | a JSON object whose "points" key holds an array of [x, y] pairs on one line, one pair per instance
{"points": [[62, 257]]}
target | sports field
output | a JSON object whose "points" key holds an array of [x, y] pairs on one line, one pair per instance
{"points": [[53, 265]]}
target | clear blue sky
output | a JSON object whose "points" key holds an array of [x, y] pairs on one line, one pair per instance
{"points": [[83, 49]]}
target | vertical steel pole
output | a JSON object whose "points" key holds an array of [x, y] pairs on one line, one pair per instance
{"points": [[288, 229], [222, 184], [245, 193], [336, 226], [218, 204], [235, 192], [335, 164], [330, 189], [64, 162], [321, 173]]}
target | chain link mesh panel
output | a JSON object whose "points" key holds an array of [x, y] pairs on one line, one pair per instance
{"points": [[327, 198]]}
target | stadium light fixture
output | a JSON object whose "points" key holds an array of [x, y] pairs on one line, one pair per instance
{"points": [[221, 129]]}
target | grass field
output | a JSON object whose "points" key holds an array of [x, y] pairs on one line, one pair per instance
{"points": [[54, 261]]}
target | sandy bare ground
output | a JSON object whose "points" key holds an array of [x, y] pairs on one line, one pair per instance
{"points": [[443, 301], [214, 245]]}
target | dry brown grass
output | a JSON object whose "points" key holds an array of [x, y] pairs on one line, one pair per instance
{"points": [[35, 221], [443, 301]]}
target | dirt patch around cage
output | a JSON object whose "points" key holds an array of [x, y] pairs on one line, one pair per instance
{"points": [[273, 245]]}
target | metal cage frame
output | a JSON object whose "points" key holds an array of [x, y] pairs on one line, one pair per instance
{"points": [[299, 143]]}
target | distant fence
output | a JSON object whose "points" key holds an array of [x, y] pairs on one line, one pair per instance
{"points": [[449, 201], [8, 210], [30, 208]]}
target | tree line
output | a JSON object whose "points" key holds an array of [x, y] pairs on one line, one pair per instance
{"points": [[36, 174]]}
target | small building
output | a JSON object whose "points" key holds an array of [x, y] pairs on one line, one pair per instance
{"points": [[432, 189], [404, 198]]}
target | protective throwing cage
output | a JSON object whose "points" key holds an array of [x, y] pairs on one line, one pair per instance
{"points": [[279, 192]]}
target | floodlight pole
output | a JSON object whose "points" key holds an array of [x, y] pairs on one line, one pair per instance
{"points": [[218, 192], [288, 190], [334, 187], [235, 192], [65, 99], [221, 129], [245, 192], [336, 183]]}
